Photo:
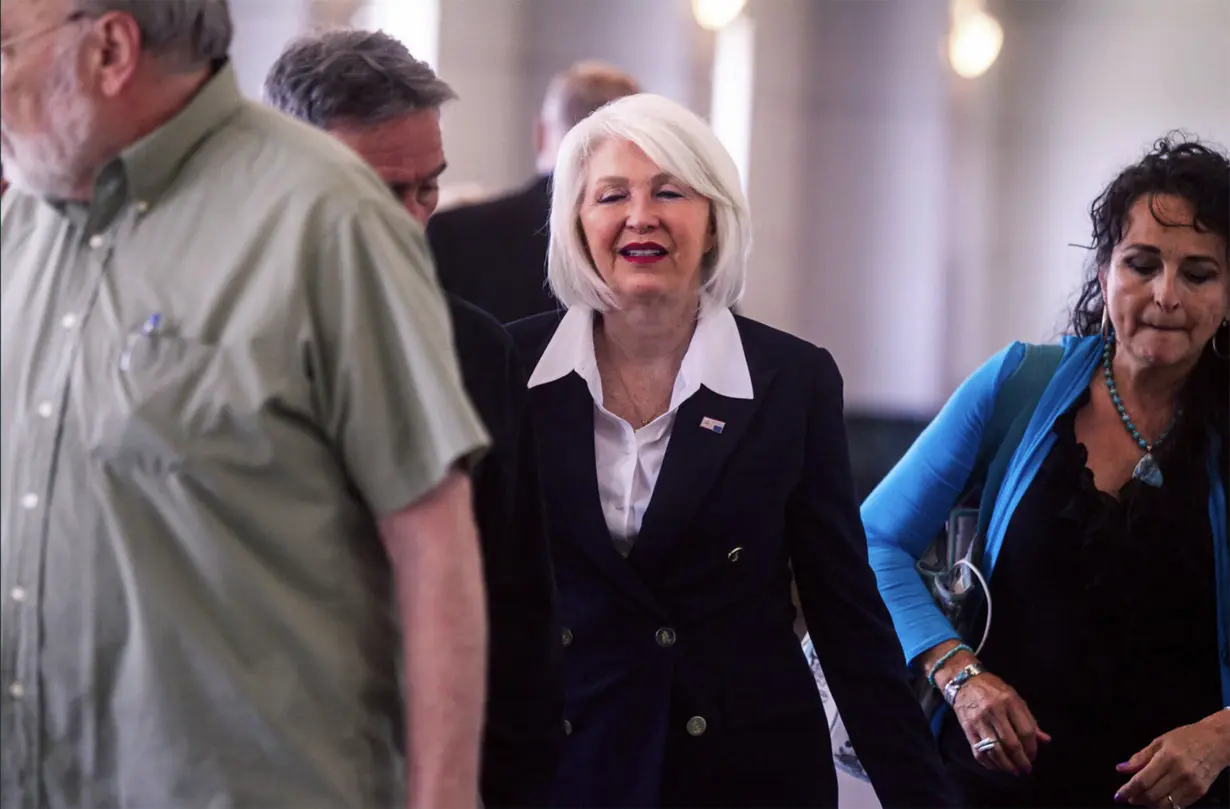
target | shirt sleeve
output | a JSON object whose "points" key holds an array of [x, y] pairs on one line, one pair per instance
{"points": [[382, 359], [905, 513]]}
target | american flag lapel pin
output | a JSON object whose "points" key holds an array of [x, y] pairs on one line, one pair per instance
{"points": [[712, 425]]}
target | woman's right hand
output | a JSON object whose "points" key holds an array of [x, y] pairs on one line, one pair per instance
{"points": [[989, 708]]}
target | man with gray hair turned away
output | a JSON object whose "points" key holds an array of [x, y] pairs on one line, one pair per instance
{"points": [[494, 253], [235, 496], [366, 90]]}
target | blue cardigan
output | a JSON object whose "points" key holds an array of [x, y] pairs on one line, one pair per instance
{"points": [[908, 509]]}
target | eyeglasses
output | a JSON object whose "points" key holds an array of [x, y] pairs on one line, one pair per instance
{"points": [[6, 46]]}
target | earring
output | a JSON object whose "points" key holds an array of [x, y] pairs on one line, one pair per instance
{"points": [[1225, 328], [1105, 322]]}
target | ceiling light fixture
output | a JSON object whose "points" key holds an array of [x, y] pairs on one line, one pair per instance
{"points": [[974, 43], [714, 15]]}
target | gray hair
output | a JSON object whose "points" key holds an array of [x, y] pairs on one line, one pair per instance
{"points": [[187, 33], [362, 77], [684, 146]]}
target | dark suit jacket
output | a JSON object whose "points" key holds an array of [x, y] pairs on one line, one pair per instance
{"points": [[494, 254], [684, 681], [524, 711]]}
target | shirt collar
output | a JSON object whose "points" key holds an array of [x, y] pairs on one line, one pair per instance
{"points": [[715, 357], [151, 164]]}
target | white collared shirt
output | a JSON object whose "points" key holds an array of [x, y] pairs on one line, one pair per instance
{"points": [[628, 459]]}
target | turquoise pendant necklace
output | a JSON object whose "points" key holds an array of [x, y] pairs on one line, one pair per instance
{"points": [[1147, 470]]}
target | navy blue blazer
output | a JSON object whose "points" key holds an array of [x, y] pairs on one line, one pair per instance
{"points": [[685, 683]]}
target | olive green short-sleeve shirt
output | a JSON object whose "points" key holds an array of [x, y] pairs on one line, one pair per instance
{"points": [[217, 376]]}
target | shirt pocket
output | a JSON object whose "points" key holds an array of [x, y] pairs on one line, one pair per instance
{"points": [[168, 402]]}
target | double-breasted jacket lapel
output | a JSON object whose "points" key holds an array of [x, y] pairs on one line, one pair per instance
{"points": [[566, 416], [708, 427], [707, 430]]}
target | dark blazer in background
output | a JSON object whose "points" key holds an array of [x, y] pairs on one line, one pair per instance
{"points": [[697, 622], [494, 254], [524, 711]]}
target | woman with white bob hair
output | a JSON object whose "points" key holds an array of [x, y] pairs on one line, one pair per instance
{"points": [[691, 461]]}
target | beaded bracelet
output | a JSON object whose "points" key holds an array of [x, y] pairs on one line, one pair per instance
{"points": [[949, 655]]}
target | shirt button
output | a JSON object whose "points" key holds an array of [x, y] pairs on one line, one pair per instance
{"points": [[68, 322], [18, 594], [97, 241], [29, 501], [665, 637], [567, 728], [697, 726], [565, 636], [45, 409], [142, 206], [17, 691]]}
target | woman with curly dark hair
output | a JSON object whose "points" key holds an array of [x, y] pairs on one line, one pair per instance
{"points": [[1105, 672]]}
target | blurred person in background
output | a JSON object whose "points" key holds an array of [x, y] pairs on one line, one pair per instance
{"points": [[494, 254], [369, 92], [238, 558], [1106, 671], [691, 460]]}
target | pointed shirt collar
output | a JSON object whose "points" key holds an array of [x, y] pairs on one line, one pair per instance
{"points": [[714, 359]]}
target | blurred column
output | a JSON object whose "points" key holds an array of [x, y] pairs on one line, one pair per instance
{"points": [[775, 174], [415, 22], [972, 302], [481, 53], [846, 181], [262, 29], [730, 113]]}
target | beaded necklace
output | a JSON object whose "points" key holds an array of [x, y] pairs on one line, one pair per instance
{"points": [[1147, 470]]}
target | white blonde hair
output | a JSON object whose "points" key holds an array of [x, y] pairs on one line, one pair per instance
{"points": [[682, 145]]}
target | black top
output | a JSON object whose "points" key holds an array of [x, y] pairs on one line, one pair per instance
{"points": [[494, 254], [1104, 621]]}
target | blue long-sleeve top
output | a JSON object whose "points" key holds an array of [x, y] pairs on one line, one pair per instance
{"points": [[908, 509]]}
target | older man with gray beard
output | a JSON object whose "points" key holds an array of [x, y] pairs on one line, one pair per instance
{"points": [[234, 500]]}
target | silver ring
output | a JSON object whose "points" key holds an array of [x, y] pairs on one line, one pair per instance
{"points": [[1173, 805], [986, 744]]}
